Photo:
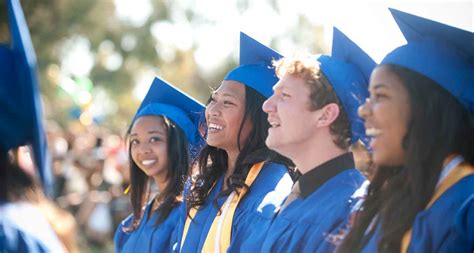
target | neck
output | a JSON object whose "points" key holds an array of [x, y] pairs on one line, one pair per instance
{"points": [[315, 153], [231, 159], [161, 182]]}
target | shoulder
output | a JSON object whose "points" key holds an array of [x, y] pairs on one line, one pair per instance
{"points": [[457, 194], [23, 225], [465, 218], [274, 171], [273, 176]]}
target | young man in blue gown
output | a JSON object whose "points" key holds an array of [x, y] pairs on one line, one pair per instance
{"points": [[313, 118]]}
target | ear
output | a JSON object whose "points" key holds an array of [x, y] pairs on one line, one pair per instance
{"points": [[329, 114]]}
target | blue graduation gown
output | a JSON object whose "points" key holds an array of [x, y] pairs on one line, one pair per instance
{"points": [[252, 217], [147, 237], [447, 226], [309, 224], [23, 228]]}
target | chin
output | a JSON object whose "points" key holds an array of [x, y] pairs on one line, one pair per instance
{"points": [[211, 141], [272, 144], [381, 160]]}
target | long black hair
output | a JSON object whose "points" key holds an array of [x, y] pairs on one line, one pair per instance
{"points": [[439, 126], [212, 161], [178, 158]]}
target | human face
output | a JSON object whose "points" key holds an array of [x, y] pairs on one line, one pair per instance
{"points": [[224, 115], [386, 114], [149, 145], [292, 123]]}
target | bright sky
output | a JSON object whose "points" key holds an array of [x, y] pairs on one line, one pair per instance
{"points": [[368, 23]]}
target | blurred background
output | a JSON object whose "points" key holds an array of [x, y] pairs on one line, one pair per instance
{"points": [[97, 58]]}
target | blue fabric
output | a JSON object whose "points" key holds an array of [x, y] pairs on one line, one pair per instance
{"points": [[163, 99], [310, 224], [21, 116], [23, 228], [147, 237], [447, 226], [252, 217], [255, 68], [174, 113], [348, 70], [443, 53]]}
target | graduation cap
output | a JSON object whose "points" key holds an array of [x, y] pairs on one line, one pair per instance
{"points": [[443, 53], [20, 102], [348, 70], [255, 68], [163, 99]]}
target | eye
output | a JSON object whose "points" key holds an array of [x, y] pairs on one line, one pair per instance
{"points": [[227, 102], [155, 139], [378, 96], [212, 100], [285, 95], [134, 142]]}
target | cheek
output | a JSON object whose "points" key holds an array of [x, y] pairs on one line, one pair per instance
{"points": [[133, 152], [162, 150]]}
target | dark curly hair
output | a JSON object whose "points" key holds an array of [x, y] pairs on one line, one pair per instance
{"points": [[439, 126]]}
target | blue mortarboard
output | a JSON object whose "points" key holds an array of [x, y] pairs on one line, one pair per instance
{"points": [[255, 68], [348, 70], [163, 99], [441, 52], [20, 103]]}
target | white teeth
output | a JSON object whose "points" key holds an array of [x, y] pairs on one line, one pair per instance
{"points": [[215, 126], [148, 162], [274, 124], [372, 132]]}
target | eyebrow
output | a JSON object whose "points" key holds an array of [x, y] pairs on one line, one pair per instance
{"points": [[149, 132], [379, 86], [224, 94]]}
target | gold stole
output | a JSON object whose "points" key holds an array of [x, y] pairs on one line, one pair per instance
{"points": [[219, 235], [458, 173]]}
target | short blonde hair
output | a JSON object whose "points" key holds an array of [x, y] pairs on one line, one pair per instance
{"points": [[321, 92]]}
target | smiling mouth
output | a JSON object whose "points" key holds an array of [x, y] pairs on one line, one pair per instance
{"points": [[148, 162], [274, 124], [373, 132], [214, 127]]}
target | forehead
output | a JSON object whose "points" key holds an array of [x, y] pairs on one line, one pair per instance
{"points": [[148, 124], [293, 83], [383, 78], [231, 88]]}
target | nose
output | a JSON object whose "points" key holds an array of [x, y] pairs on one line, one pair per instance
{"points": [[143, 148], [365, 109], [212, 109], [268, 106]]}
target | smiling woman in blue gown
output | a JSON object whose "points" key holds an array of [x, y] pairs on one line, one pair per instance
{"points": [[240, 183], [420, 118], [158, 150]]}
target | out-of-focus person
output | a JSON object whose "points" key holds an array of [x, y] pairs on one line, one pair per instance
{"points": [[23, 225]]}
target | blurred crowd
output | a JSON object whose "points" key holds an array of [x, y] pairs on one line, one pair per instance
{"points": [[91, 174]]}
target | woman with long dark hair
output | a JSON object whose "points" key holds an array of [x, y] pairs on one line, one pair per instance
{"points": [[240, 183], [159, 140], [420, 118]]}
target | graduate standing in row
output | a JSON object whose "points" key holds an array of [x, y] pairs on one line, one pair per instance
{"points": [[420, 118], [162, 132], [23, 226], [240, 182], [313, 114]]}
